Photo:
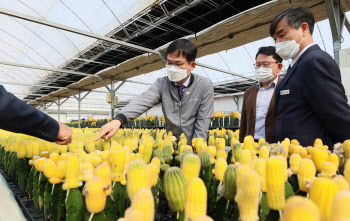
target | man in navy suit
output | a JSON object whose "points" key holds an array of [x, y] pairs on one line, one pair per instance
{"points": [[19, 117], [310, 100]]}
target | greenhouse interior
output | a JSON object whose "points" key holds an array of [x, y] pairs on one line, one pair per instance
{"points": [[189, 110]]}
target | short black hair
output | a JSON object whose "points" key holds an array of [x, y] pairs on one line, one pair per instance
{"points": [[183, 47], [295, 17], [270, 51]]}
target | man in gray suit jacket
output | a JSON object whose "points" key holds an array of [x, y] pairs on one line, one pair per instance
{"points": [[187, 99]]}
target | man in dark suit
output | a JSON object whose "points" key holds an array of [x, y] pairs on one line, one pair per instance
{"points": [[19, 117], [310, 100], [257, 117]]}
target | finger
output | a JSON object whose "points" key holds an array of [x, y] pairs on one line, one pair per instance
{"points": [[61, 142], [111, 134], [101, 134]]}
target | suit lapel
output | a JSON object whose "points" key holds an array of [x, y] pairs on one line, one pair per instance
{"points": [[290, 71]]}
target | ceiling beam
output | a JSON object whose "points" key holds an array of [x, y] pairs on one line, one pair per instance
{"points": [[73, 30]]}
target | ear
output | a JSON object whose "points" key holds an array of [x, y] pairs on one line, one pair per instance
{"points": [[304, 27], [193, 65], [279, 67]]}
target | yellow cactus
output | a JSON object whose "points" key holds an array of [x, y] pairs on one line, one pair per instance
{"points": [[347, 171], [261, 140], [95, 195], [328, 170], [86, 171], [246, 157], [306, 171], [204, 218], [196, 199], [341, 182], [300, 208], [144, 203], [346, 147], [72, 173], [104, 171], [264, 153], [152, 170], [248, 144], [294, 141], [220, 167], [275, 183], [240, 171], [296, 149], [49, 168], [220, 153], [118, 166], [319, 157], [61, 170], [334, 159], [303, 153], [29, 150], [318, 141], [39, 164], [294, 161], [183, 147], [322, 193], [190, 167], [21, 150], [249, 196], [137, 177], [156, 161], [55, 157], [44, 154], [340, 207], [212, 151], [253, 164], [260, 168]]}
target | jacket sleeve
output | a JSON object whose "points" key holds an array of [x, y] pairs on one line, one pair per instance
{"points": [[19, 117], [205, 112], [326, 96], [140, 104], [243, 124]]}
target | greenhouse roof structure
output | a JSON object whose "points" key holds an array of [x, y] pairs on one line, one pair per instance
{"points": [[55, 50]]}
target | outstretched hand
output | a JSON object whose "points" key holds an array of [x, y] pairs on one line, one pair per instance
{"points": [[64, 135], [108, 130]]}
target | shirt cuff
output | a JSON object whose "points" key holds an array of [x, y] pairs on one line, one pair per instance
{"points": [[121, 118]]}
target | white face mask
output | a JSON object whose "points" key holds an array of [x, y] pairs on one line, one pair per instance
{"points": [[288, 49], [176, 74], [264, 74]]}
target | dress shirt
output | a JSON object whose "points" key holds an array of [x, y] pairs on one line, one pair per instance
{"points": [[263, 100]]}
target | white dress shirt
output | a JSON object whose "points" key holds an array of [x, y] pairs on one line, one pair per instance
{"points": [[186, 83], [295, 59], [263, 100]]}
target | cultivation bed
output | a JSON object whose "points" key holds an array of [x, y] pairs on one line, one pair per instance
{"points": [[26, 204]]}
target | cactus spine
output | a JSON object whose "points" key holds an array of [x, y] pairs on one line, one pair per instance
{"points": [[275, 184], [175, 188]]}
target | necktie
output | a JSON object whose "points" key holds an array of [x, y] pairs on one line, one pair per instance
{"points": [[180, 90]]}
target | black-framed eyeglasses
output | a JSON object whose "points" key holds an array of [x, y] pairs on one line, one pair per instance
{"points": [[264, 64], [178, 65]]}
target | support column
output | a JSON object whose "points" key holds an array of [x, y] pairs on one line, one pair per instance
{"points": [[111, 91], [337, 20], [79, 99], [79, 104], [58, 103]]}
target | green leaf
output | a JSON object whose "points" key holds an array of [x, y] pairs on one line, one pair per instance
{"points": [[288, 190], [220, 211], [293, 180], [264, 209], [273, 215]]}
